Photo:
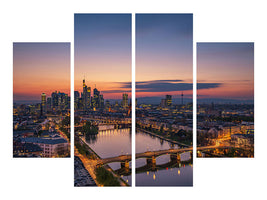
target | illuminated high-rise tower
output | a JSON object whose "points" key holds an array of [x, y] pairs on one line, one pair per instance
{"points": [[101, 101], [124, 100], [43, 103], [49, 104], [76, 99], [88, 97], [54, 97], [84, 95], [168, 100], [96, 100], [83, 83]]}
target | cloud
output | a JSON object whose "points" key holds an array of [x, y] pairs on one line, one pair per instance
{"points": [[161, 86], [208, 85], [138, 83], [171, 85], [115, 91]]}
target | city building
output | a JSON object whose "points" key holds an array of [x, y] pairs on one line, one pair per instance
{"points": [[26, 149], [51, 146], [168, 100], [43, 103], [96, 98], [76, 99], [88, 100], [125, 100], [54, 97]]}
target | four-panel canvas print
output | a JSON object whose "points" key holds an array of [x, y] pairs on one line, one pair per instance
{"points": [[102, 100]]}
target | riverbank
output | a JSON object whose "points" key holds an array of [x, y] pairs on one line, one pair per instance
{"points": [[89, 164], [93, 167], [163, 138]]}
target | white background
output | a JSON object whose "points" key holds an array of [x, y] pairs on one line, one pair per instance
{"points": [[52, 21]]}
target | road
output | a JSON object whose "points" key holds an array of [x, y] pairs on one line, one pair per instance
{"points": [[91, 164]]}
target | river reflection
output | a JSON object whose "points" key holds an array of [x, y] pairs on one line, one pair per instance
{"points": [[145, 142], [111, 143], [166, 172]]}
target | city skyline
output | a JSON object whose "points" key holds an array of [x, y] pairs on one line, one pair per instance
{"points": [[225, 111], [102, 52], [41, 88], [228, 68], [120, 88], [38, 67]]}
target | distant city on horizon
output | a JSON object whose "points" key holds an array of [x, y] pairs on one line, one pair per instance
{"points": [[35, 101], [93, 99], [41, 101], [225, 112]]}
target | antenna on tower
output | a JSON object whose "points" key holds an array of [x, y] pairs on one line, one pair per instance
{"points": [[182, 96]]}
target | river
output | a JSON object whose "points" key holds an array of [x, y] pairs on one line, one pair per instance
{"points": [[111, 143]]}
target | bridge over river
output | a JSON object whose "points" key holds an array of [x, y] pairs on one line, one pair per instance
{"points": [[154, 167], [102, 125], [154, 154]]}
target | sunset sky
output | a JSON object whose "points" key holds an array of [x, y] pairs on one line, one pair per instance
{"points": [[228, 68], [38, 68], [102, 53], [164, 55]]}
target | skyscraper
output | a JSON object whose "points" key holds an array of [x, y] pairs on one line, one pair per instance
{"points": [[49, 104], [168, 100], [54, 96], [88, 97], [124, 100], [96, 98], [60, 99], [84, 95], [66, 101], [101, 101], [76, 99], [43, 104]]}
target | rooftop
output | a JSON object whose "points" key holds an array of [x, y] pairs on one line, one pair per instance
{"points": [[43, 140]]}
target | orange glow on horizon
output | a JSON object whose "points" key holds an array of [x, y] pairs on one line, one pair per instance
{"points": [[229, 90], [40, 68]]}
